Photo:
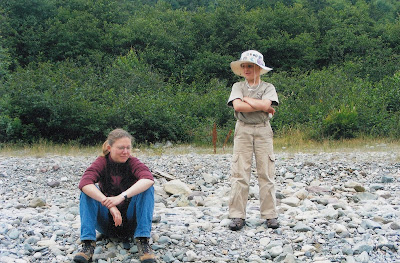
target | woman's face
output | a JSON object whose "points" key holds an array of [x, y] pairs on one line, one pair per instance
{"points": [[250, 71], [120, 150]]}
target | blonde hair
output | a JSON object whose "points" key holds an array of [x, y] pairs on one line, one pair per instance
{"points": [[112, 137]]}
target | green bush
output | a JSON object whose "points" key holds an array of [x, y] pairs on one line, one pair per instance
{"points": [[341, 124], [74, 70], [10, 129]]}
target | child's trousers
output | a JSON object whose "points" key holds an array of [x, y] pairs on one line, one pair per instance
{"points": [[249, 139]]}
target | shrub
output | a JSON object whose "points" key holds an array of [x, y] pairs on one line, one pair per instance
{"points": [[10, 129], [341, 124]]}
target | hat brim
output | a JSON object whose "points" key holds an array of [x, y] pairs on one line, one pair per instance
{"points": [[237, 69]]}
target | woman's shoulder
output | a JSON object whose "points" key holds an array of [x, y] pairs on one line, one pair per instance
{"points": [[133, 160], [101, 158], [100, 161], [98, 164]]}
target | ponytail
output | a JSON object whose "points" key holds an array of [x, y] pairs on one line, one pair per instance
{"points": [[104, 149]]}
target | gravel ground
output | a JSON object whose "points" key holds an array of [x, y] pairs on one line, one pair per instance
{"points": [[334, 207]]}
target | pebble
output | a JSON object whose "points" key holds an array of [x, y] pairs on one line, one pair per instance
{"points": [[333, 207]]}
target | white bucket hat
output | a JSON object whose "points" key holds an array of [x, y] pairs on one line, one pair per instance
{"points": [[249, 56]]}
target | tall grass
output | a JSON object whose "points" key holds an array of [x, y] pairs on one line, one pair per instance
{"points": [[297, 141], [292, 141], [47, 148]]}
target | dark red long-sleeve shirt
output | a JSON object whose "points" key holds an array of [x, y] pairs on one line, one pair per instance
{"points": [[100, 168]]}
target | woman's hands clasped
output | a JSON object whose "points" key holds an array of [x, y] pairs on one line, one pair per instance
{"points": [[111, 203]]}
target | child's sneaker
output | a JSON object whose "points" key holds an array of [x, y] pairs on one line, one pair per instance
{"points": [[273, 223], [237, 224]]}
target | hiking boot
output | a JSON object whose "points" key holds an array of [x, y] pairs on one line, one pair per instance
{"points": [[86, 253], [237, 224], [146, 254], [273, 223]]}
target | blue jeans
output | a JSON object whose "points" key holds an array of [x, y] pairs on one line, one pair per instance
{"points": [[95, 216]]}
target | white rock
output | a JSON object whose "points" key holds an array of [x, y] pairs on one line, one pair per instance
{"points": [[46, 243], [307, 248], [330, 213], [309, 205], [351, 184], [191, 255], [339, 228], [177, 187], [301, 194], [209, 178], [275, 251], [291, 201], [265, 241]]}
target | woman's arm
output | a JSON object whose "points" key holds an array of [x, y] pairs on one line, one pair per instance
{"points": [[137, 188], [94, 192]]}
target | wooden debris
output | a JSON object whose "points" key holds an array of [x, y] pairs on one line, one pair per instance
{"points": [[161, 174]]}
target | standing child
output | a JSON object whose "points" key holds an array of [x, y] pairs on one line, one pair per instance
{"points": [[252, 100]]}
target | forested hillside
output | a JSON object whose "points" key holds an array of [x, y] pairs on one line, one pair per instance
{"points": [[73, 70]]}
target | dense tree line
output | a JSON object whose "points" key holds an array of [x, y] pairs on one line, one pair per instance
{"points": [[73, 70]]}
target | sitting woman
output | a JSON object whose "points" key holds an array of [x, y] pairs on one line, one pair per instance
{"points": [[122, 203]]}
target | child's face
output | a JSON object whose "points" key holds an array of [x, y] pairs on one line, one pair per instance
{"points": [[250, 71]]}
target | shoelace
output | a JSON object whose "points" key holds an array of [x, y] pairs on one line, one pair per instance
{"points": [[144, 245], [86, 247]]}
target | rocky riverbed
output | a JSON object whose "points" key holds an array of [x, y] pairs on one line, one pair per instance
{"points": [[334, 207]]}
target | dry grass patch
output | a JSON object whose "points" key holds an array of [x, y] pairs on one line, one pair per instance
{"points": [[288, 144], [43, 149]]}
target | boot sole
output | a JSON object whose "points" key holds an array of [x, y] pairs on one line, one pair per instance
{"points": [[80, 259]]}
